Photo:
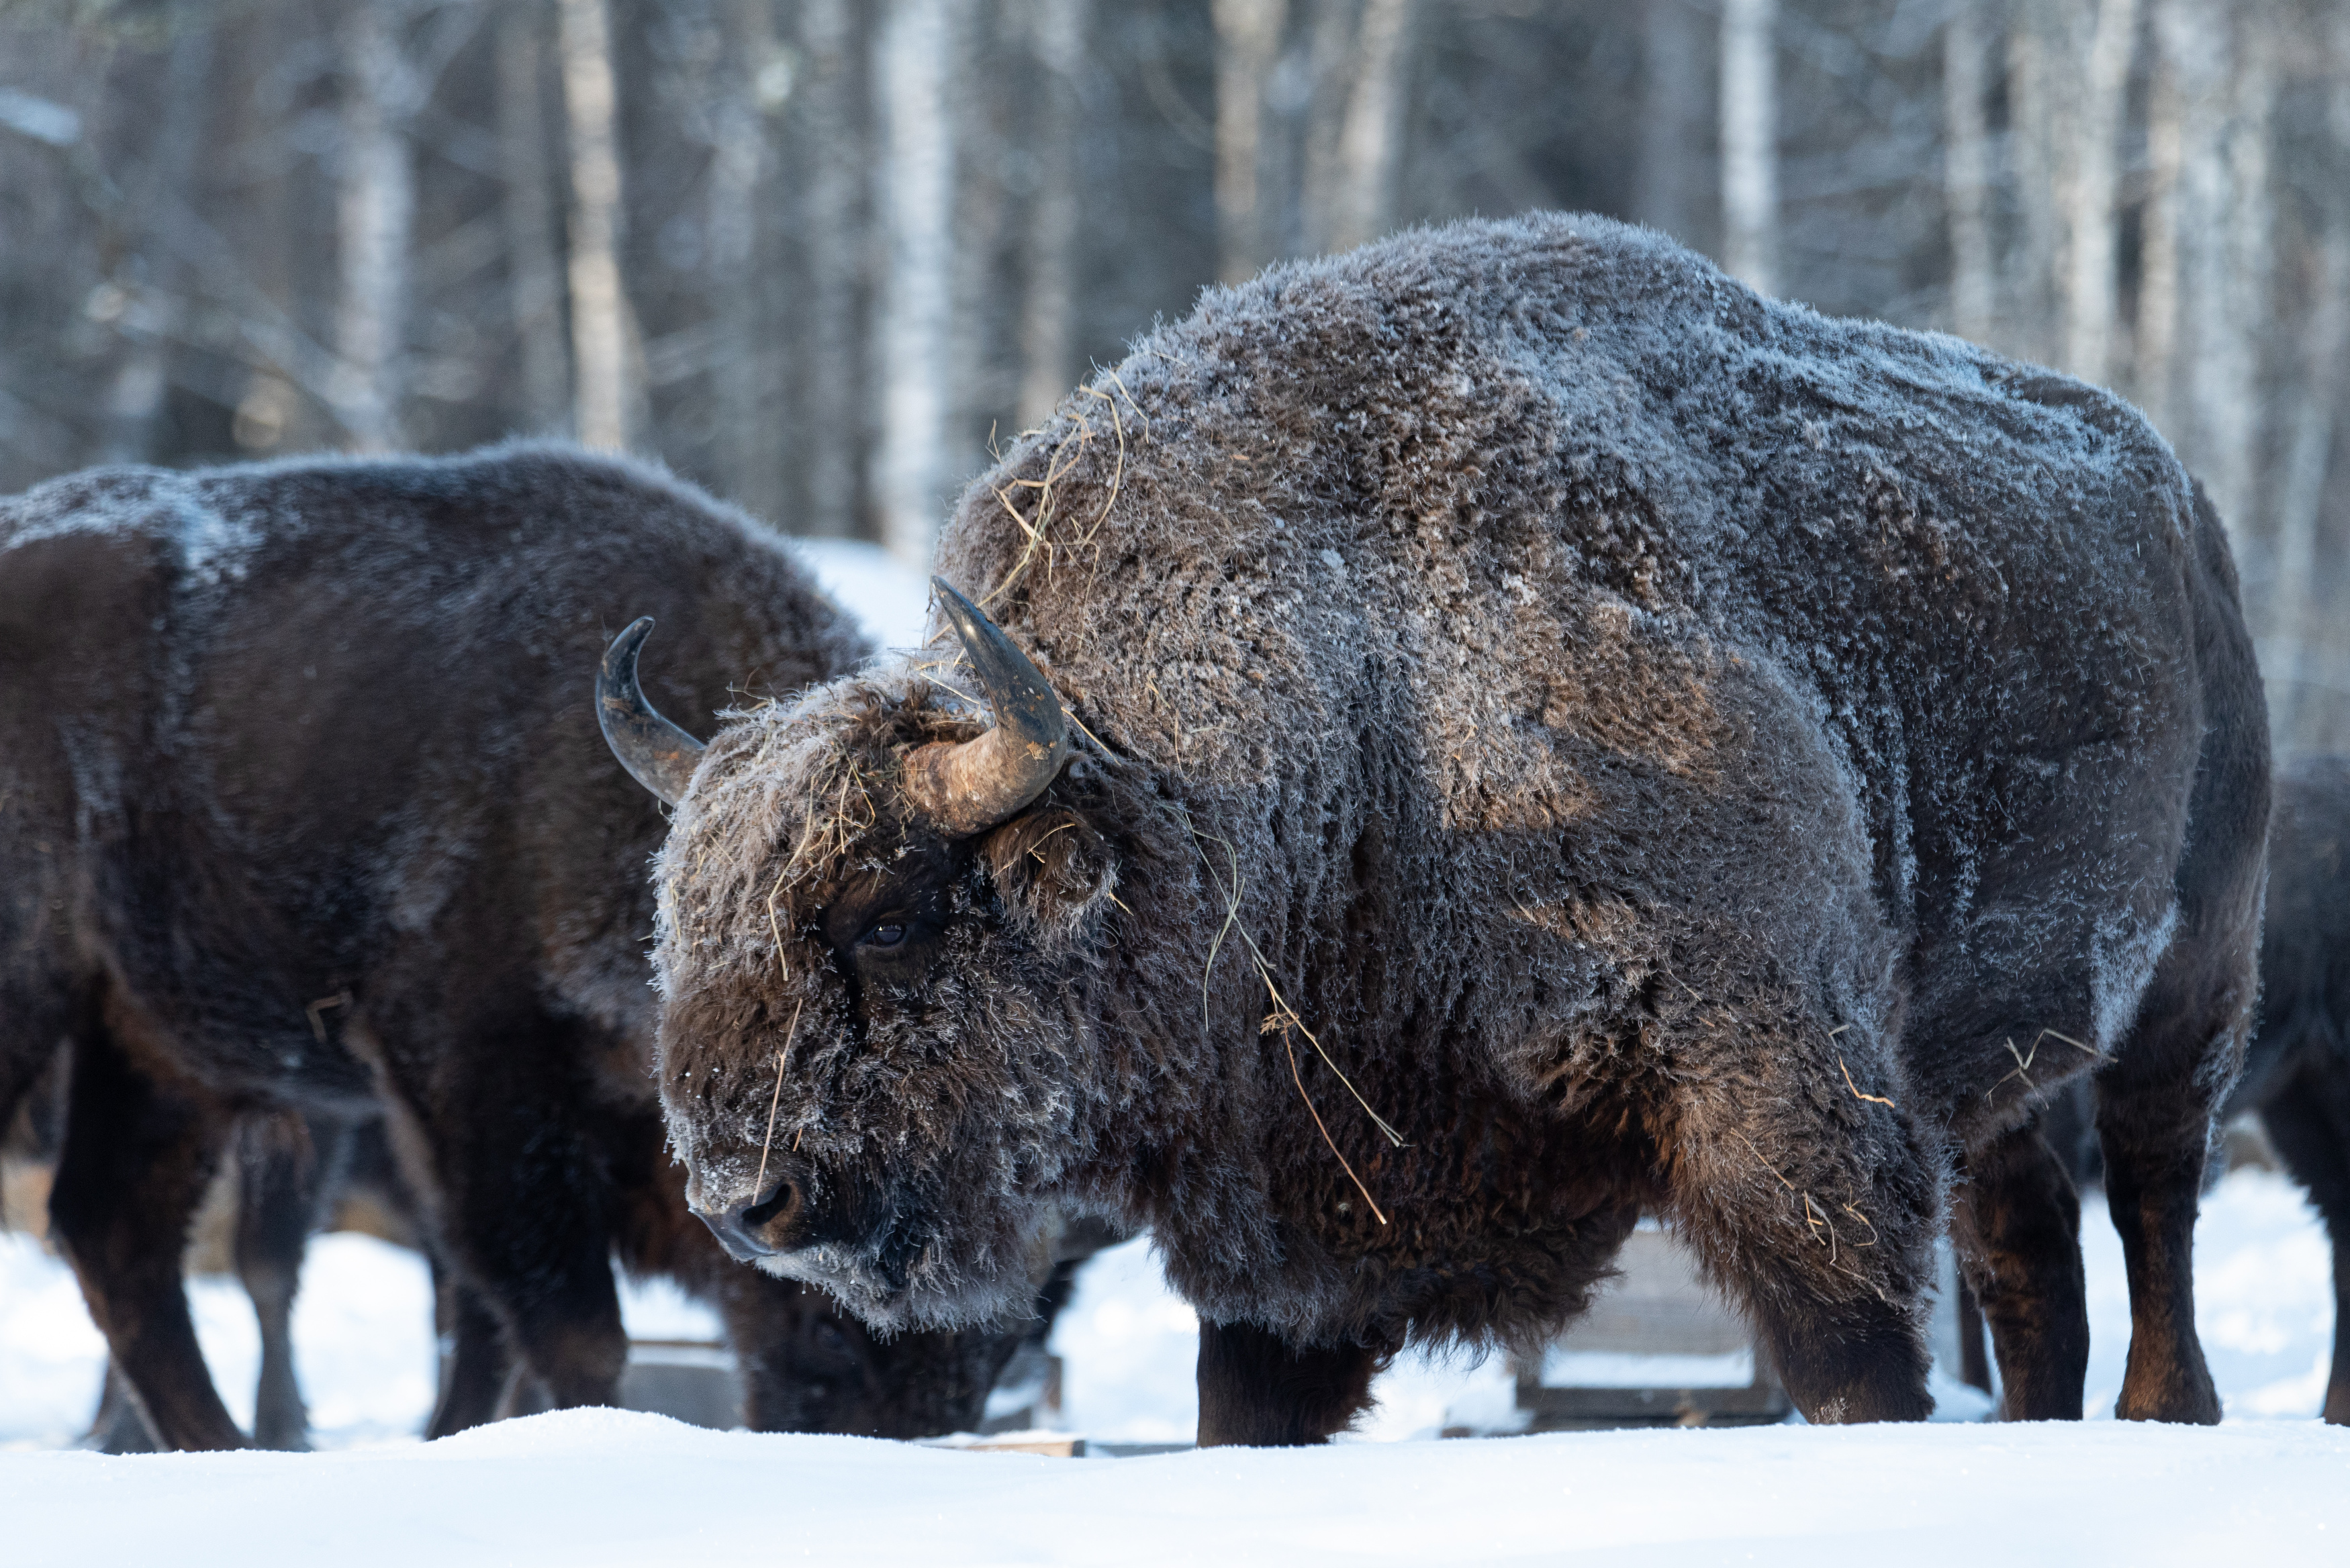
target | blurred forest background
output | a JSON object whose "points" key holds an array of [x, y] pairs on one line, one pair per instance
{"points": [[818, 255]]}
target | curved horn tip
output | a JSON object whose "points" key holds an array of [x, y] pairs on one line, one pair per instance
{"points": [[962, 614], [632, 637], [658, 754], [974, 784]]}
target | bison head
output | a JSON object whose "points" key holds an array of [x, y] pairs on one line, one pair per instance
{"points": [[877, 914]]}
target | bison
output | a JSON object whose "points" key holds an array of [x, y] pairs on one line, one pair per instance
{"points": [[303, 807], [1465, 741], [2297, 1070]]}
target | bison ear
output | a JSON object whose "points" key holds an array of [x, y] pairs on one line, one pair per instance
{"points": [[1055, 874]]}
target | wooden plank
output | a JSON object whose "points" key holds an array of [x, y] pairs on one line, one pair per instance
{"points": [[1052, 1445]]}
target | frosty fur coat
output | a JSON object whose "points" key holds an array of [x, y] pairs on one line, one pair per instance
{"points": [[1666, 748]]}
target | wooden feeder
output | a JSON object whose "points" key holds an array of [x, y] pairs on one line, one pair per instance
{"points": [[1659, 1348], [691, 1380], [1027, 1394]]}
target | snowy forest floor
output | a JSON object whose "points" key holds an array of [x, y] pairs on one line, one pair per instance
{"points": [[587, 1488], [596, 1487]]}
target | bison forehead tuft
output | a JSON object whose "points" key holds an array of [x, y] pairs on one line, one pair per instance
{"points": [[790, 800]]}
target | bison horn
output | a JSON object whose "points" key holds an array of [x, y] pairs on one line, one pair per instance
{"points": [[656, 753], [968, 786]]}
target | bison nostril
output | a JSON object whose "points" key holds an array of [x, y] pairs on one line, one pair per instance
{"points": [[781, 1202], [740, 1231]]}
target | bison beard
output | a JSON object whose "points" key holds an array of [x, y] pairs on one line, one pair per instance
{"points": [[1665, 748], [304, 806]]}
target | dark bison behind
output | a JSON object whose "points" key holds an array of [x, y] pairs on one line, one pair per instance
{"points": [[2297, 1071], [303, 804], [1663, 747]]}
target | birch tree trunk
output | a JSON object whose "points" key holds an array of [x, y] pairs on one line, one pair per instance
{"points": [[135, 395], [1674, 119], [2297, 658], [1361, 200], [2193, 39], [1247, 42], [2155, 370], [983, 307], [375, 223], [1966, 173], [2223, 216], [2294, 628], [1330, 69], [1048, 310], [2032, 256], [832, 412], [1749, 134], [534, 284], [749, 455], [2230, 409], [2088, 124], [604, 398], [917, 207]]}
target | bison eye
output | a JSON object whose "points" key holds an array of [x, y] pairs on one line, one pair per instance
{"points": [[885, 936]]}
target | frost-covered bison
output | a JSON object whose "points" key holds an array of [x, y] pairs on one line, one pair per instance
{"points": [[302, 804], [1647, 745]]}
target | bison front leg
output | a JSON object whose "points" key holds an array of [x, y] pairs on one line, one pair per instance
{"points": [[139, 1154], [1258, 1390], [1820, 1218]]}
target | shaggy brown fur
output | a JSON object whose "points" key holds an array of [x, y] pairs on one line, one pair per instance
{"points": [[1664, 748], [303, 804]]}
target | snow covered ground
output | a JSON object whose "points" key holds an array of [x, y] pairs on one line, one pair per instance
{"points": [[610, 1487], [589, 1487]]}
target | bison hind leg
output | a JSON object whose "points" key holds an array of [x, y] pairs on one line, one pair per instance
{"points": [[139, 1155], [2156, 1102], [2156, 1097], [2017, 1223]]}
